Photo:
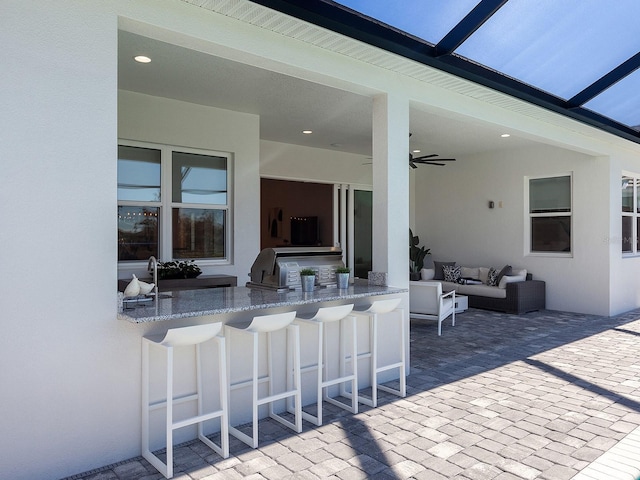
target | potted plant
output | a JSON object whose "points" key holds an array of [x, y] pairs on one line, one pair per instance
{"points": [[178, 269], [307, 279], [342, 277], [416, 256]]}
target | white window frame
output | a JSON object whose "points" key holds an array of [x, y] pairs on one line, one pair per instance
{"points": [[165, 246], [634, 216], [528, 216]]}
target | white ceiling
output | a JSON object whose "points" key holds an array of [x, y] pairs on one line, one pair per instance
{"points": [[286, 105]]}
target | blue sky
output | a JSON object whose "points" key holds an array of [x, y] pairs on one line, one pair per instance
{"points": [[559, 46]]}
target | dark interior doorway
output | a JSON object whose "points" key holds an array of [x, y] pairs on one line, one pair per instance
{"points": [[295, 213]]}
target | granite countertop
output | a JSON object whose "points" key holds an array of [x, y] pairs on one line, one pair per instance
{"points": [[213, 301]]}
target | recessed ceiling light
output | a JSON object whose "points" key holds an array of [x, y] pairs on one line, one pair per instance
{"points": [[141, 59], [416, 151], [505, 135], [307, 132]]}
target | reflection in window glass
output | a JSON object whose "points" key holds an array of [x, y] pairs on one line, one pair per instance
{"points": [[627, 194], [199, 179], [630, 213], [362, 233], [138, 174], [550, 214], [550, 194], [551, 234], [627, 234], [198, 233], [137, 232]]}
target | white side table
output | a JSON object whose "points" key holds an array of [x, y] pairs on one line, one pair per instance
{"points": [[462, 303]]}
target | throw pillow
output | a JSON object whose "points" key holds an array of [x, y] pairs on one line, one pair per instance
{"points": [[506, 270], [451, 273], [492, 278], [427, 273], [483, 275], [439, 273]]}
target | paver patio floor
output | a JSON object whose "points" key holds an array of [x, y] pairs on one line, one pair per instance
{"points": [[536, 396]]}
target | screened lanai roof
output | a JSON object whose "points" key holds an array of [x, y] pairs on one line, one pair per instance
{"points": [[576, 57]]}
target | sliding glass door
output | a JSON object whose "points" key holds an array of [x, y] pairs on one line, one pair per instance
{"points": [[353, 227]]}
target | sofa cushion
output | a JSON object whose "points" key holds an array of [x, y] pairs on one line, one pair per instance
{"points": [[427, 273], [481, 290], [438, 266], [516, 276], [470, 272], [451, 273], [478, 290]]}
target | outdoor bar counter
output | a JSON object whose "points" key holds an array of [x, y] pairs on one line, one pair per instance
{"points": [[233, 300], [236, 305]]}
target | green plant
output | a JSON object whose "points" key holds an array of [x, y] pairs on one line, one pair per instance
{"points": [[178, 269], [343, 270], [307, 272], [416, 253]]}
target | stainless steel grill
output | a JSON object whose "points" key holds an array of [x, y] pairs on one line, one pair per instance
{"points": [[279, 268]]}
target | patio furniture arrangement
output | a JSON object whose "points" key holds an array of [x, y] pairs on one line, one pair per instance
{"points": [[506, 290]]}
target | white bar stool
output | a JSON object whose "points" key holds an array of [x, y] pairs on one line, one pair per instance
{"points": [[323, 316], [269, 324], [380, 307], [181, 337]]}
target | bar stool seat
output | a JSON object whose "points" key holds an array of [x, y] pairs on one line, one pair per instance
{"points": [[380, 307], [269, 324], [323, 316], [174, 338]]}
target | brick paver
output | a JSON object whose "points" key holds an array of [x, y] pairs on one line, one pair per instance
{"points": [[498, 396]]}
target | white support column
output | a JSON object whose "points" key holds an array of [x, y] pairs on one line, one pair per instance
{"points": [[391, 187]]}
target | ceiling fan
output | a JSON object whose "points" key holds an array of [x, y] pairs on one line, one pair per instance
{"points": [[425, 159]]}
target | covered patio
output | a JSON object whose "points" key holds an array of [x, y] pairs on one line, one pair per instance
{"points": [[498, 396]]}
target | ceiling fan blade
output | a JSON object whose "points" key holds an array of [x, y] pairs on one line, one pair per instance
{"points": [[426, 156], [433, 163], [426, 160], [412, 165]]}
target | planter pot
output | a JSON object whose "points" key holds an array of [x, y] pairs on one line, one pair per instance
{"points": [[414, 276], [342, 279], [308, 282]]}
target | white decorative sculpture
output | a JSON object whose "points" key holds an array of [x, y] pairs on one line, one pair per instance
{"points": [[133, 289], [145, 287]]}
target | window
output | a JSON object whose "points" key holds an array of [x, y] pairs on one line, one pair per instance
{"points": [[550, 214], [173, 203], [630, 213]]}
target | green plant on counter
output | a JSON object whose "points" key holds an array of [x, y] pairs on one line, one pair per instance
{"points": [[178, 269], [307, 272], [343, 270]]}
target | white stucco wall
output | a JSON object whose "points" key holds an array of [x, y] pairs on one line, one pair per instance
{"points": [[454, 220], [296, 162], [68, 367]]}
